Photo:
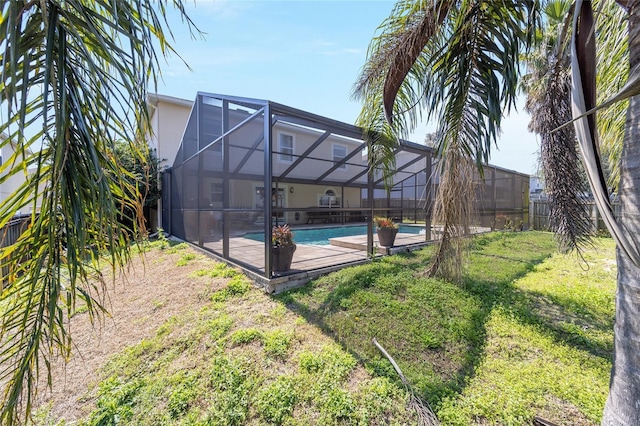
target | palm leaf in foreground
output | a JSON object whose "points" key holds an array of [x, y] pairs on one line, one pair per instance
{"points": [[74, 80], [613, 63], [584, 104]]}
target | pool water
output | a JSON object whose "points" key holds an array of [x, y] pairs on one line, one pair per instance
{"points": [[320, 236]]}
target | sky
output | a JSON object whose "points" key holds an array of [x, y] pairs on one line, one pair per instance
{"points": [[304, 54]]}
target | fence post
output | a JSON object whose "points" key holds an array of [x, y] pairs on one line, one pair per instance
{"points": [[532, 216]]}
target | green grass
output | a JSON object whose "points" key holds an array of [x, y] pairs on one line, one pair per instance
{"points": [[185, 259], [527, 332], [237, 361]]}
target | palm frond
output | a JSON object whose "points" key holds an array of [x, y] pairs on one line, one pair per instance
{"points": [[474, 82], [74, 78], [409, 27], [613, 59], [454, 61], [393, 53], [548, 89], [453, 212], [475, 77], [583, 56], [565, 184]]}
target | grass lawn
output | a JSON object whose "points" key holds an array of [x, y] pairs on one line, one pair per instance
{"points": [[528, 332]]}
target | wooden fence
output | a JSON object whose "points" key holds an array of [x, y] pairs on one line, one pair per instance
{"points": [[539, 215]]}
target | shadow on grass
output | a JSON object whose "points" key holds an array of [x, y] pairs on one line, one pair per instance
{"points": [[435, 330], [553, 314]]}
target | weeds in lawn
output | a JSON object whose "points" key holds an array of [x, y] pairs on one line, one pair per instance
{"points": [[236, 287], [185, 259], [234, 362], [245, 335], [442, 334], [527, 332], [218, 270], [277, 343], [183, 394], [176, 248], [276, 401]]}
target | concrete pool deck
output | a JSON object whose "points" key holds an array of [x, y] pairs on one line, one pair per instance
{"points": [[311, 261]]}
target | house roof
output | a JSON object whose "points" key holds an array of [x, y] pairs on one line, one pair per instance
{"points": [[153, 99]]}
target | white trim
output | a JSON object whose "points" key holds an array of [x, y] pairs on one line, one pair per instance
{"points": [[346, 152], [155, 98], [213, 183], [279, 147]]}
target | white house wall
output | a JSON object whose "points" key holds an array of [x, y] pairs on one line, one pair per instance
{"points": [[312, 169], [14, 182], [169, 121], [168, 124]]}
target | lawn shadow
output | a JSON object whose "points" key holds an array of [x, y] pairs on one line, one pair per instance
{"points": [[564, 325], [382, 300]]}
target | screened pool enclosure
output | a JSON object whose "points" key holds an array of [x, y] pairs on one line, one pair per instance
{"points": [[245, 165]]}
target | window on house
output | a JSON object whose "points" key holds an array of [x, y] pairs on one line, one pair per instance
{"points": [[339, 152], [216, 192], [285, 147]]}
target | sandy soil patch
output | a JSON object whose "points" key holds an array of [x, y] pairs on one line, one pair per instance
{"points": [[152, 290]]}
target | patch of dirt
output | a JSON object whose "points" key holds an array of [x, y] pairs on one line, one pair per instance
{"points": [[563, 413], [152, 290]]}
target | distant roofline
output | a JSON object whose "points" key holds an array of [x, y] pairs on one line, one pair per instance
{"points": [[14, 145], [154, 98]]}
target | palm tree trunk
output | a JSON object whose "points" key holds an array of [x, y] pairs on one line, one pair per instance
{"points": [[623, 403]]}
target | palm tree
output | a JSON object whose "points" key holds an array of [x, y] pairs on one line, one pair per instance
{"points": [[622, 406], [548, 87], [449, 58], [455, 60], [613, 63], [74, 80]]}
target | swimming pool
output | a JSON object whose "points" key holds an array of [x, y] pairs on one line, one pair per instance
{"points": [[320, 236]]}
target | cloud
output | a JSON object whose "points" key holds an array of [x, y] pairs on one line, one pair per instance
{"points": [[323, 43], [330, 48], [214, 60], [343, 51]]}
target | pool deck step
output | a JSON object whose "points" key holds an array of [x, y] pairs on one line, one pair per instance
{"points": [[356, 243], [359, 242]]}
